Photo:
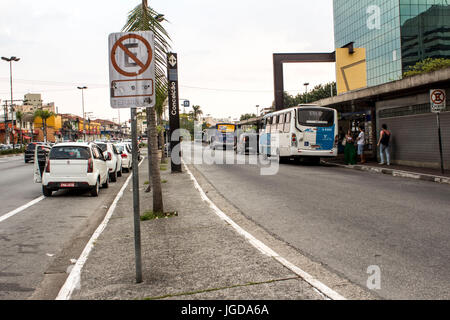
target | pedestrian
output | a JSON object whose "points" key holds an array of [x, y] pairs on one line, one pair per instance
{"points": [[383, 143], [341, 139], [360, 141], [349, 150]]}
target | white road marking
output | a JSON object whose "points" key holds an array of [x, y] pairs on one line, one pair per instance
{"points": [[20, 209], [316, 284], [74, 278]]}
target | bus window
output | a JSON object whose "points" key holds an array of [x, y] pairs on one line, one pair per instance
{"points": [[287, 123], [280, 122], [315, 117], [274, 123]]}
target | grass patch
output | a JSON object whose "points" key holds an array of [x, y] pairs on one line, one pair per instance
{"points": [[163, 168], [146, 182], [150, 215], [163, 181]]}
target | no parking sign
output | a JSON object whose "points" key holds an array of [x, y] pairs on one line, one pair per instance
{"points": [[132, 69]]}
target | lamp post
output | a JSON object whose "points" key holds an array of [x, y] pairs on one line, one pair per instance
{"points": [[306, 84], [10, 60], [82, 104], [257, 110]]}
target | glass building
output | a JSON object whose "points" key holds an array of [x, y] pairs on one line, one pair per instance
{"points": [[395, 33]]}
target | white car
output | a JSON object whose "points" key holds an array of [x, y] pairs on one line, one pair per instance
{"points": [[113, 160], [125, 153], [75, 165]]}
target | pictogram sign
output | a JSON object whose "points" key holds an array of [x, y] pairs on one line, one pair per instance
{"points": [[437, 100], [132, 69]]}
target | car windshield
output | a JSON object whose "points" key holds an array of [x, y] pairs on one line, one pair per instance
{"points": [[315, 117], [69, 153], [119, 148], [102, 146]]}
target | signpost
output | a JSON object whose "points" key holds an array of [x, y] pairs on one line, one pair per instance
{"points": [[438, 104], [132, 78], [174, 112]]}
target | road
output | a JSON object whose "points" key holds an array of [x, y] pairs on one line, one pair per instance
{"points": [[349, 220], [39, 242]]}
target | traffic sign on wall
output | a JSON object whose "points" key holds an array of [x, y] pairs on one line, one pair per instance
{"points": [[437, 100], [132, 69]]}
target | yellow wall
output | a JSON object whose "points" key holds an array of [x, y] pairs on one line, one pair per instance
{"points": [[54, 122], [351, 70]]}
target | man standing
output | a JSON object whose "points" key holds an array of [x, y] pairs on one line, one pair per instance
{"points": [[360, 142], [383, 143]]}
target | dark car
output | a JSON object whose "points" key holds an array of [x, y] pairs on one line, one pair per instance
{"points": [[31, 147], [248, 143]]}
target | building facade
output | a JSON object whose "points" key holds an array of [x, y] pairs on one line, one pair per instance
{"points": [[396, 34]]}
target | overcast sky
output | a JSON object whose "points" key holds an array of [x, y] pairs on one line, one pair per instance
{"points": [[224, 48]]}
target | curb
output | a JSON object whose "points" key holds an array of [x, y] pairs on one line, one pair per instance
{"points": [[10, 155], [394, 172]]}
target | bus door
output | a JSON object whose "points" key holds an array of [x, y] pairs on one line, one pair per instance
{"points": [[264, 140], [284, 131]]}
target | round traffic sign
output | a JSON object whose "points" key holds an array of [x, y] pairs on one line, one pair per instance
{"points": [[438, 96], [143, 66]]}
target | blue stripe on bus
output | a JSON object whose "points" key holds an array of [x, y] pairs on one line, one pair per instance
{"points": [[325, 137]]}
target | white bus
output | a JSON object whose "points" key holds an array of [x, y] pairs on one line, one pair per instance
{"points": [[306, 131]]}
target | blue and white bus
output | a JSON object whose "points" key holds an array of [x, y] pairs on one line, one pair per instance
{"points": [[306, 131]]}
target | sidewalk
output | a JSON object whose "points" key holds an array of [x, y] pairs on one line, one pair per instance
{"points": [[426, 174], [195, 255]]}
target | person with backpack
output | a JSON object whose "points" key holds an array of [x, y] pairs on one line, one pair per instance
{"points": [[383, 143]]}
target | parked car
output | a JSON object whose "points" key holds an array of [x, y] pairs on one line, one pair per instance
{"points": [[113, 160], [247, 143], [75, 165], [31, 147], [125, 153]]}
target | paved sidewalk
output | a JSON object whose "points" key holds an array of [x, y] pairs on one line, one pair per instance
{"points": [[426, 174], [195, 255]]}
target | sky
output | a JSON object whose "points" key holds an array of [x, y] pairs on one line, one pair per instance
{"points": [[224, 50]]}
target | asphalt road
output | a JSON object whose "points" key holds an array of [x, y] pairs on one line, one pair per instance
{"points": [[16, 183], [39, 242], [350, 220]]}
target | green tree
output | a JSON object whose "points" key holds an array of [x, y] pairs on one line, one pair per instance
{"points": [[144, 18], [19, 118], [427, 65], [321, 91], [44, 115], [197, 111], [247, 116]]}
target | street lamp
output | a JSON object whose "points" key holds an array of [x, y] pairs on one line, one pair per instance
{"points": [[257, 110], [10, 60], [306, 84], [82, 103]]}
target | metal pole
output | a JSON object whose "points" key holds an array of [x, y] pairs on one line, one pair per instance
{"points": [[82, 104], [137, 216], [440, 142], [12, 102]]}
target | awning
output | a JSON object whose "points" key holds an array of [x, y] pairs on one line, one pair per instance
{"points": [[26, 137]]}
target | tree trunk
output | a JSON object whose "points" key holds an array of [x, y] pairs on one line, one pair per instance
{"points": [[155, 173], [149, 151]]}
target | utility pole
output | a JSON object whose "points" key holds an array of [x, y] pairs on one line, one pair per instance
{"points": [[10, 60], [82, 104]]}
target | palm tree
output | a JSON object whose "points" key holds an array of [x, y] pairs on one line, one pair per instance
{"points": [[197, 112], [19, 118], [44, 115], [144, 18]]}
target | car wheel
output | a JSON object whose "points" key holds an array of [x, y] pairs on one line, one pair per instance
{"points": [[46, 191], [119, 173], [106, 184], [113, 176], [95, 190]]}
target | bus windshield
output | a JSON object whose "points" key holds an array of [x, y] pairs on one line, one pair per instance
{"points": [[315, 117]]}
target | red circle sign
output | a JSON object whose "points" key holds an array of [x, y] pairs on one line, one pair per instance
{"points": [[119, 44], [438, 96]]}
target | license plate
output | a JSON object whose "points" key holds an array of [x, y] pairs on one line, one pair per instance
{"points": [[67, 185]]}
